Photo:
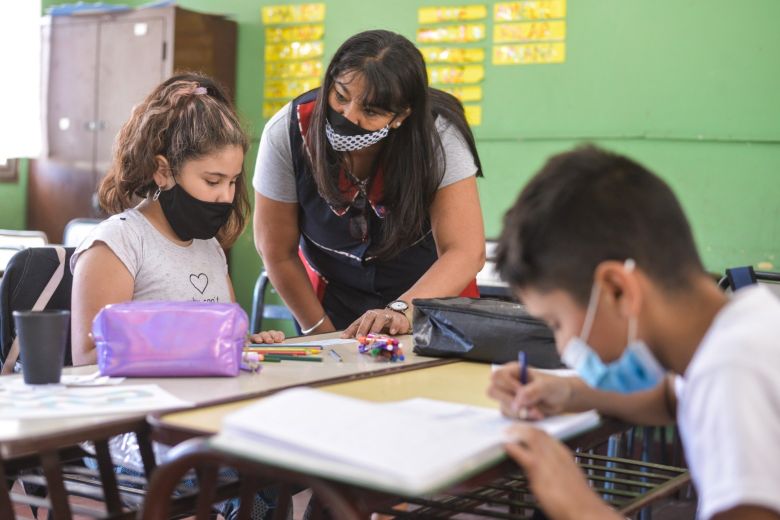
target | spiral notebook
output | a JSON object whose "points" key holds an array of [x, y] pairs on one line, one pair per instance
{"points": [[412, 447]]}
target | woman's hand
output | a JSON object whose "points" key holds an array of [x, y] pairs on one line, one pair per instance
{"points": [[376, 321], [542, 396], [553, 476], [267, 336]]}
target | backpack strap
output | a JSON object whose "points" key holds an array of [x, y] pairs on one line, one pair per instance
{"points": [[40, 304]]}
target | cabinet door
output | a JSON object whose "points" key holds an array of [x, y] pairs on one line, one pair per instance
{"points": [[70, 59], [130, 65]]}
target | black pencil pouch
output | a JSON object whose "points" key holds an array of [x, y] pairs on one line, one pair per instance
{"points": [[481, 329]]}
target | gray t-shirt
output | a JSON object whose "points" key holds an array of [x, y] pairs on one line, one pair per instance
{"points": [[274, 176], [161, 269]]}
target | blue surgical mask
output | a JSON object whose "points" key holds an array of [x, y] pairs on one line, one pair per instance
{"points": [[637, 369]]}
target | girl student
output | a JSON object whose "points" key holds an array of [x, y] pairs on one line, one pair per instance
{"points": [[181, 153]]}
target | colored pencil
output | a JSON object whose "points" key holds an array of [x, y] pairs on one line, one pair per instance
{"points": [[280, 357]]}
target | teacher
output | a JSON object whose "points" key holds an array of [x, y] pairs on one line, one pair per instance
{"points": [[366, 193]]}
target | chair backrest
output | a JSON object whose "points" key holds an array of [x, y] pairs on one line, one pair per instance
{"points": [[262, 310], [739, 277], [196, 454], [24, 279], [489, 281], [77, 230], [6, 253], [14, 238]]}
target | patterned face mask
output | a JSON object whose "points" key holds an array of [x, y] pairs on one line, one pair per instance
{"points": [[346, 136]]}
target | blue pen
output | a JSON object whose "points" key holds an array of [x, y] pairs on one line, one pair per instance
{"points": [[522, 360]]}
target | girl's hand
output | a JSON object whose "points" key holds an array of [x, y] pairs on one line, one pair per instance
{"points": [[542, 396], [376, 321], [553, 476], [267, 336]]}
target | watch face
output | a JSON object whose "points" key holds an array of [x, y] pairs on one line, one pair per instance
{"points": [[398, 306]]}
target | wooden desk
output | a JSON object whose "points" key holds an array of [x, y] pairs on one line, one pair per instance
{"points": [[21, 437], [435, 382], [458, 382], [26, 443]]}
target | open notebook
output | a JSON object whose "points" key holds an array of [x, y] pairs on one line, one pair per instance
{"points": [[412, 447]]}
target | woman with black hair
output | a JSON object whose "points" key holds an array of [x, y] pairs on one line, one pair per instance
{"points": [[366, 195]]}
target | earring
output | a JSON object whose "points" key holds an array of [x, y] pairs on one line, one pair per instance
{"points": [[157, 193], [397, 125]]}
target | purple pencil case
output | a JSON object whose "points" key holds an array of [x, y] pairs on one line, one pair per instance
{"points": [[161, 339]]}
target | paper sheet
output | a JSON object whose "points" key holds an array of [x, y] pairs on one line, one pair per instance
{"points": [[413, 446], [20, 401]]}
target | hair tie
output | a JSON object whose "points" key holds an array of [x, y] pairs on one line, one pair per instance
{"points": [[199, 91]]}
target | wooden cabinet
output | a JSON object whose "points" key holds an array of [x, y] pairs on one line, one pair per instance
{"points": [[95, 69]]}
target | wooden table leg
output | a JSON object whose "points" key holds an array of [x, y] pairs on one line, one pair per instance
{"points": [[52, 469], [6, 507]]}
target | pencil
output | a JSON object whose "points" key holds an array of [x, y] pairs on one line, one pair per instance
{"points": [[522, 360], [281, 357], [284, 352], [283, 345], [335, 355]]}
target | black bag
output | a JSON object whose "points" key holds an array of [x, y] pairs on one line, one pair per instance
{"points": [[481, 329], [25, 278]]}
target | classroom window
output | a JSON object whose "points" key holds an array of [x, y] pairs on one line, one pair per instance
{"points": [[20, 99]]}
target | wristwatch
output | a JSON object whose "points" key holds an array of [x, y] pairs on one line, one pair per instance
{"points": [[398, 306], [402, 307]]}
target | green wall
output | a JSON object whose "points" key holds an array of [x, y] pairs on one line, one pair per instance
{"points": [[13, 200], [687, 87]]}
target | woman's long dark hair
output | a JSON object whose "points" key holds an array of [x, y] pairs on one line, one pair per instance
{"points": [[412, 156]]}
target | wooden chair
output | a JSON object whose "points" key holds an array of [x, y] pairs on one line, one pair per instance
{"points": [[55, 472], [197, 455]]}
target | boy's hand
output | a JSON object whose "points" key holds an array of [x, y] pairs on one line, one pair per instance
{"points": [[553, 476], [267, 336], [542, 396]]}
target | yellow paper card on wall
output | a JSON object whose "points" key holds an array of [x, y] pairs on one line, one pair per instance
{"points": [[473, 114], [272, 107], [529, 53], [453, 74], [465, 94], [529, 31], [529, 10], [294, 33], [452, 13], [471, 32], [293, 69], [293, 50], [287, 89], [303, 13], [453, 54]]}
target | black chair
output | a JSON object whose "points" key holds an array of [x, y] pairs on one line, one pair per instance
{"points": [[57, 472], [739, 277], [262, 310]]}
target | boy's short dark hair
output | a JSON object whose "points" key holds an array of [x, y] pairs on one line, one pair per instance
{"points": [[587, 206]]}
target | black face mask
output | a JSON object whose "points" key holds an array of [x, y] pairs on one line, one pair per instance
{"points": [[346, 136], [344, 126], [192, 218]]}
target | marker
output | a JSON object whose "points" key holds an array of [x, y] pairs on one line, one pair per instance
{"points": [[522, 360], [335, 355]]}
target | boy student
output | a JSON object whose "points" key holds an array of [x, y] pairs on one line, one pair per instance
{"points": [[599, 248]]}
